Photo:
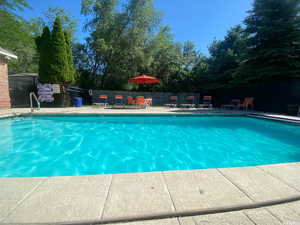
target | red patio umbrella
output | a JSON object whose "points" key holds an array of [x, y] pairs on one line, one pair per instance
{"points": [[144, 79]]}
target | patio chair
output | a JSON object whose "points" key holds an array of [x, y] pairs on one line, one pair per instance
{"points": [[118, 100], [140, 101], [148, 102], [130, 100], [235, 104], [248, 102], [207, 102], [173, 102], [190, 102], [102, 101]]}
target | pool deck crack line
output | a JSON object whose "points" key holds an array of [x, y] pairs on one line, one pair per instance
{"points": [[278, 178], [194, 220], [275, 216], [107, 195], [236, 185], [178, 220], [251, 220], [169, 193], [26, 196]]}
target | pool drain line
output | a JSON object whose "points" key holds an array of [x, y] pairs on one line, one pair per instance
{"points": [[158, 216]]}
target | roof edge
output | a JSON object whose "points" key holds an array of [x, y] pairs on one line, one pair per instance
{"points": [[7, 54]]}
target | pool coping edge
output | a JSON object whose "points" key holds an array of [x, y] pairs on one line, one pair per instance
{"points": [[185, 213]]}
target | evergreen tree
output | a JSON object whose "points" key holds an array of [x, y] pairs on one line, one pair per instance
{"points": [[44, 45], [71, 67], [57, 53], [273, 41]]}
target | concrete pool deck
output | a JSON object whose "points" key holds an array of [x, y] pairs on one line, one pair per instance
{"points": [[101, 199], [152, 110], [119, 197], [101, 110]]}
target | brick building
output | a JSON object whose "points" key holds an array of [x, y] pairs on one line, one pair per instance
{"points": [[4, 89]]}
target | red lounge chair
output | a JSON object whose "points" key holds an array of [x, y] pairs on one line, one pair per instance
{"points": [[247, 102], [141, 101], [207, 102], [130, 100], [190, 102], [118, 100], [102, 100]]}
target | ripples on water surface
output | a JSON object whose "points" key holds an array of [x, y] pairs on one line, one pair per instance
{"points": [[73, 145]]}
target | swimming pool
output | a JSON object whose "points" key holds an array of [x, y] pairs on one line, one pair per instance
{"points": [[86, 145]]}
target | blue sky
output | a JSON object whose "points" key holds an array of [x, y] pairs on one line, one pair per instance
{"points": [[200, 21]]}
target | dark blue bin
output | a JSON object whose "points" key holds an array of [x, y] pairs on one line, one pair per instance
{"points": [[77, 102]]}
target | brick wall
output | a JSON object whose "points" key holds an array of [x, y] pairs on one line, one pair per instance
{"points": [[4, 90]]}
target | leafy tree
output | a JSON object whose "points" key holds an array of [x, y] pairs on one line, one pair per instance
{"points": [[127, 42], [217, 70], [58, 55], [273, 41], [182, 79], [103, 28], [87, 66], [11, 6], [16, 36], [44, 48], [189, 55], [163, 57], [69, 23], [119, 38]]}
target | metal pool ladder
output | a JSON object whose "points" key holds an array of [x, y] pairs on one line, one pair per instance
{"points": [[32, 94]]}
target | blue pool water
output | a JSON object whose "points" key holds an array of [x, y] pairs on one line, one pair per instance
{"points": [[70, 145]]}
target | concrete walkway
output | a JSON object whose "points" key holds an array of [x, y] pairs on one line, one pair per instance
{"points": [[109, 197], [105, 197], [101, 110], [151, 110]]}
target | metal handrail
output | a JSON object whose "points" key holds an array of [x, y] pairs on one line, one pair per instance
{"points": [[32, 94]]}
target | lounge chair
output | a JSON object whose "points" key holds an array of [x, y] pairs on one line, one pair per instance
{"points": [[173, 102], [102, 101], [148, 102], [248, 102], [140, 101], [130, 100], [235, 104], [207, 102], [190, 102], [118, 100]]}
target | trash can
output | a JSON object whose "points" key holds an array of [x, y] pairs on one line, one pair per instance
{"points": [[77, 101]]}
